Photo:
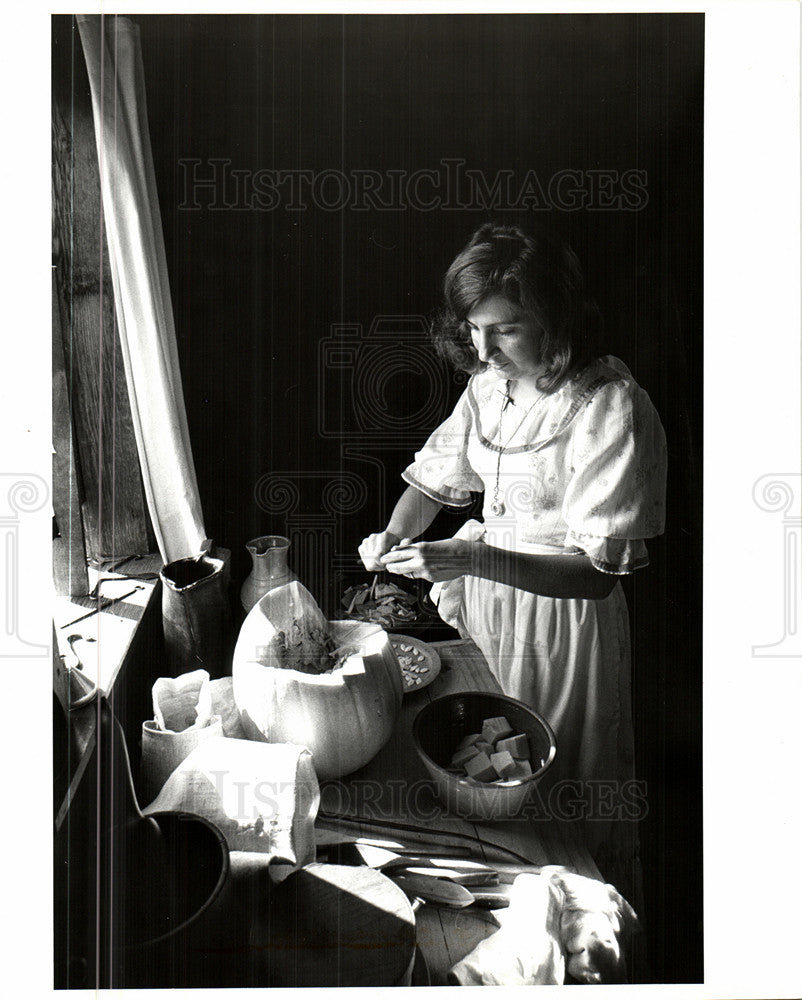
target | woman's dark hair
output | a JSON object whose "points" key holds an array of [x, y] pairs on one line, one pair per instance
{"points": [[535, 273]]}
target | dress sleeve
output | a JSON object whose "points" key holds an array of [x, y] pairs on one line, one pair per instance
{"points": [[616, 496], [441, 469]]}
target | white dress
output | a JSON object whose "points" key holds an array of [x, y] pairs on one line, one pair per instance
{"points": [[583, 471]]}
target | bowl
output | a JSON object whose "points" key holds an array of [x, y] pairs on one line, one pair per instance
{"points": [[440, 726]]}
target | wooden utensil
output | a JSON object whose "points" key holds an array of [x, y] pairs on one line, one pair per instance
{"points": [[399, 837], [386, 860], [468, 879], [435, 890], [491, 898], [333, 832]]}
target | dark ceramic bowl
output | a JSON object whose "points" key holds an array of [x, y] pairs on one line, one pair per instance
{"points": [[439, 727]]}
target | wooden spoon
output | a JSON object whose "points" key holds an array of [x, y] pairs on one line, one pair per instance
{"points": [[385, 860], [469, 879]]}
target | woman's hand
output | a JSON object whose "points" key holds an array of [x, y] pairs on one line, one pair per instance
{"points": [[411, 516], [433, 561], [374, 547]]}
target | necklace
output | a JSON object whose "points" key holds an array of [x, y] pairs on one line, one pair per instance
{"points": [[497, 506]]}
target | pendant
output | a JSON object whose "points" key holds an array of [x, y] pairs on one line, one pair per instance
{"points": [[497, 508]]}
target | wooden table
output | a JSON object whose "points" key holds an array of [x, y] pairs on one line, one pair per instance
{"points": [[394, 789]]}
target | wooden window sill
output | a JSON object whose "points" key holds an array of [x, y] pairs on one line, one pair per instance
{"points": [[101, 642]]}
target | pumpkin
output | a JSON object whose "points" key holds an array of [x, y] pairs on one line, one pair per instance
{"points": [[344, 716]]}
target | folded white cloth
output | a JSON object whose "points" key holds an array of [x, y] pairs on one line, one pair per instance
{"points": [[263, 797], [526, 951], [182, 703], [557, 922], [596, 921]]}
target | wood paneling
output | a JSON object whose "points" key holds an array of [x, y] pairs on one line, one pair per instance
{"points": [[114, 511], [69, 552]]}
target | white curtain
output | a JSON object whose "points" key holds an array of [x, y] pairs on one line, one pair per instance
{"points": [[141, 289]]}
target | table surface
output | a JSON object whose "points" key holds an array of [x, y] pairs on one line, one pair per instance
{"points": [[390, 801]]}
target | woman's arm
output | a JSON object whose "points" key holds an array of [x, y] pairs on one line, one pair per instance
{"points": [[547, 575], [565, 576], [411, 516]]}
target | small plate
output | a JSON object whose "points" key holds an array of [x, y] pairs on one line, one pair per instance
{"points": [[419, 662]]}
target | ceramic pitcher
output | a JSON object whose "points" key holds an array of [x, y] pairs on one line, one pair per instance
{"points": [[270, 568]]}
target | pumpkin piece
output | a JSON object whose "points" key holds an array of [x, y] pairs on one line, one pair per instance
{"points": [[469, 740], [461, 757], [480, 768], [517, 746], [503, 764], [486, 747], [496, 729]]}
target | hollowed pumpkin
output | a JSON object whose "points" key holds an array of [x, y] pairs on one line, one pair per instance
{"points": [[344, 717]]}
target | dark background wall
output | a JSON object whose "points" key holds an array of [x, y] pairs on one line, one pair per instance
{"points": [[307, 382]]}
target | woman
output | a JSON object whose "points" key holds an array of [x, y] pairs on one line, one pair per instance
{"points": [[570, 455]]}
